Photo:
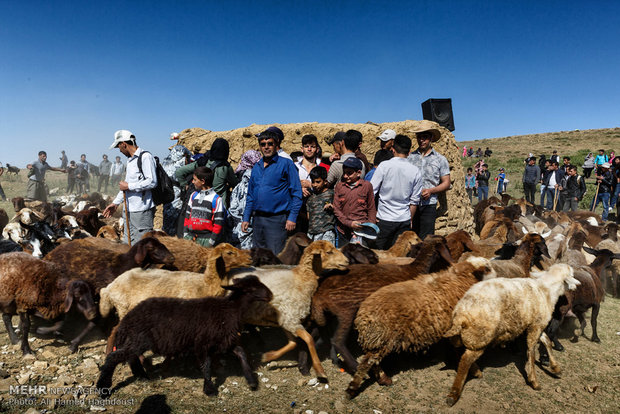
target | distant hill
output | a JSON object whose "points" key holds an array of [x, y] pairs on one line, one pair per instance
{"points": [[566, 142]]}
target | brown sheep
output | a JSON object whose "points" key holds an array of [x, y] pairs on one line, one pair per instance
{"points": [[460, 242], [109, 232], [28, 284], [401, 247], [341, 295], [188, 256], [294, 248], [4, 219]]}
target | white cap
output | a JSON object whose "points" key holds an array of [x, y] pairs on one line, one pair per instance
{"points": [[606, 165], [174, 135], [122, 135], [387, 135]]}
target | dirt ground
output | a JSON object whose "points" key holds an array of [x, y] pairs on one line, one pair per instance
{"points": [[589, 382]]}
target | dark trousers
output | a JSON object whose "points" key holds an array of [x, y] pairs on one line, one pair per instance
{"points": [[570, 204], [530, 192], [2, 195], [70, 184], [270, 232], [103, 179], [587, 172], [424, 220], [389, 232]]}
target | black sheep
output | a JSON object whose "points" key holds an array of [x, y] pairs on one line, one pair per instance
{"points": [[170, 326]]}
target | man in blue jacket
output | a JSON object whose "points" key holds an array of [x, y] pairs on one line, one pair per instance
{"points": [[274, 195]]}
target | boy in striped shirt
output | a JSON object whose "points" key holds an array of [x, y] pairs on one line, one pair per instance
{"points": [[205, 214]]}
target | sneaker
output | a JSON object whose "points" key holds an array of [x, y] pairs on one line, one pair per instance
{"points": [[610, 209]]}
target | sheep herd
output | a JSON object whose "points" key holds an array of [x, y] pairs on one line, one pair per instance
{"points": [[524, 271]]}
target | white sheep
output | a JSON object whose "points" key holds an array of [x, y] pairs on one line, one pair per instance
{"points": [[292, 290], [499, 310]]}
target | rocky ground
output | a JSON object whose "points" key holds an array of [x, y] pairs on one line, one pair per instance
{"points": [[591, 374]]}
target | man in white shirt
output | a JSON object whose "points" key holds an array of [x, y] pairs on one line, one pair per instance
{"points": [[136, 186], [116, 172], [398, 184]]}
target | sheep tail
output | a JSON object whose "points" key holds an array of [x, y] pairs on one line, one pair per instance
{"points": [[105, 304], [454, 330]]}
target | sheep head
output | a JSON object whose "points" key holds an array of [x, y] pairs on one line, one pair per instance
{"points": [[81, 294], [559, 273], [252, 286], [404, 242], [224, 257], [150, 251], [322, 255], [481, 267], [108, 232]]}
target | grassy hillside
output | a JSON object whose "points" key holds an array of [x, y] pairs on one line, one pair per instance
{"points": [[510, 153]]}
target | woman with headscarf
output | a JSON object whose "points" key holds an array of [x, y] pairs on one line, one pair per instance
{"points": [[241, 239], [175, 160], [588, 165]]}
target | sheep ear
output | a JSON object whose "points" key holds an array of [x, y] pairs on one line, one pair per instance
{"points": [[445, 253], [301, 241], [69, 299], [590, 250], [140, 254], [317, 264], [470, 245]]}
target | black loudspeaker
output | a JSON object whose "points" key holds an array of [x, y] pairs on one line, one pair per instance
{"points": [[440, 111]]}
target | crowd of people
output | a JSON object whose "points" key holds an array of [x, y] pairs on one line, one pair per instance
{"points": [[561, 186], [341, 198]]}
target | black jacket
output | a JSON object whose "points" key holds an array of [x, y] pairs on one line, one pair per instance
{"points": [[483, 178], [573, 186], [607, 182]]}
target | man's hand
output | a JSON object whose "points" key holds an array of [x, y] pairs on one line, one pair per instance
{"points": [[328, 207], [290, 225], [335, 156], [356, 225], [426, 193], [123, 186], [109, 210], [244, 226], [306, 192]]}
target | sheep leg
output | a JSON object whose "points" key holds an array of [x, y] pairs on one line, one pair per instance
{"points": [[47, 330], [316, 362], [247, 370], [552, 331], [273, 355], [208, 387], [136, 367], [76, 341], [468, 358], [107, 370], [339, 343], [25, 320], [366, 363], [381, 376], [110, 344], [553, 365], [582, 327], [533, 335], [593, 322], [8, 323]]}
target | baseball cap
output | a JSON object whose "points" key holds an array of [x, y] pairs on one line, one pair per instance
{"points": [[387, 135], [338, 136], [273, 130], [122, 135], [353, 162]]}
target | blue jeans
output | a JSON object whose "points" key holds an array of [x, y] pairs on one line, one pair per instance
{"points": [[604, 197], [270, 232], [483, 193], [550, 197], [614, 197], [543, 193]]}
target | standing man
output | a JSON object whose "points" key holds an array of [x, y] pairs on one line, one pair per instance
{"points": [[37, 190], [274, 196], [386, 141], [358, 149], [104, 173], [605, 184], [531, 176], [435, 177], [117, 169], [2, 195], [574, 187], [83, 174], [398, 184], [136, 186], [482, 178], [555, 157], [552, 184], [345, 145], [63, 160], [600, 159]]}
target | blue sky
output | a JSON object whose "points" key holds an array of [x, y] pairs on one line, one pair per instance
{"points": [[73, 72]]}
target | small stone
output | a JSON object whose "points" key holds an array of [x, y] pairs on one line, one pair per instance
{"points": [[23, 379], [326, 386], [313, 381], [40, 364], [558, 389], [235, 383], [225, 390], [301, 382], [377, 411], [32, 411], [506, 405], [89, 363], [274, 387], [308, 412], [4, 373], [29, 357], [264, 379], [65, 379], [323, 412], [339, 406], [97, 408]]}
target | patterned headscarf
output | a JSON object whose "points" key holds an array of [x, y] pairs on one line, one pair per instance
{"points": [[248, 159]]}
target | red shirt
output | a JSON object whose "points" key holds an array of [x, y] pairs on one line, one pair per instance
{"points": [[354, 204]]}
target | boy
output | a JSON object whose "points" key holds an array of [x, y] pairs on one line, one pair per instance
{"points": [[320, 209], [204, 217], [500, 181], [470, 184], [354, 201]]}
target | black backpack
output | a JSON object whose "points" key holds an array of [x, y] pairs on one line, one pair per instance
{"points": [[163, 193]]}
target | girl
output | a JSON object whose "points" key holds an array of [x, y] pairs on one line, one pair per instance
{"points": [[205, 213]]}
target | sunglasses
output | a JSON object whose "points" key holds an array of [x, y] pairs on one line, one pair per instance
{"points": [[267, 144]]}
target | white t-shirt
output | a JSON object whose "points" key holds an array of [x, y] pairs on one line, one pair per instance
{"points": [[399, 184]]}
